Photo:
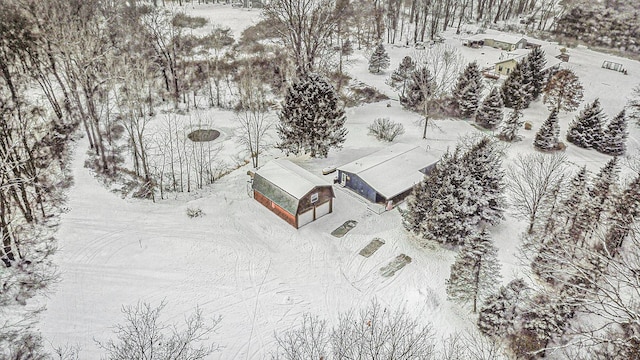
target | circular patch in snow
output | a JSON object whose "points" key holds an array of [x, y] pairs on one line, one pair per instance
{"points": [[203, 135]]}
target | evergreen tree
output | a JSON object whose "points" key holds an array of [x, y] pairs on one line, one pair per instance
{"points": [[563, 91], [485, 167], [573, 206], [510, 127], [452, 214], [467, 90], [490, 113], [311, 120], [402, 74], [347, 48], [545, 318], [586, 129], [420, 84], [515, 92], [623, 216], [476, 270], [528, 87], [634, 105], [615, 136], [537, 61], [603, 190], [547, 137], [379, 60], [500, 311], [422, 195]]}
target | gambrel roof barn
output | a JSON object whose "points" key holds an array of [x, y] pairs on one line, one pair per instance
{"points": [[291, 192]]}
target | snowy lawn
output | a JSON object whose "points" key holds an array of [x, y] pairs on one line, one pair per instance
{"points": [[242, 262]]}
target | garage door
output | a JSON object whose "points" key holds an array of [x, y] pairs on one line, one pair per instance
{"points": [[322, 210], [305, 218]]}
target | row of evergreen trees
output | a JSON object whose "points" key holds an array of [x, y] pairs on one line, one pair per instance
{"points": [[587, 222], [591, 130], [462, 193]]}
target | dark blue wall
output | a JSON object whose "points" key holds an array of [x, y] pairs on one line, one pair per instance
{"points": [[356, 184]]}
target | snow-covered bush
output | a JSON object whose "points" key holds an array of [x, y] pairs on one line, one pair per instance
{"points": [[385, 129], [194, 212]]}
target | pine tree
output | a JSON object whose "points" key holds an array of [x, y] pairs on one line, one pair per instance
{"points": [[547, 137], [476, 270], [563, 91], [420, 84], [485, 167], [573, 206], [510, 127], [586, 129], [623, 216], [451, 215], [500, 311], [545, 318], [379, 60], [634, 105], [515, 92], [347, 48], [528, 88], [422, 196], [311, 120], [615, 136], [402, 74], [537, 61], [603, 190], [467, 90], [490, 113]]}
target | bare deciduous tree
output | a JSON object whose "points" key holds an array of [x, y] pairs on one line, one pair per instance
{"points": [[372, 333], [532, 180], [252, 117], [144, 336], [305, 27]]}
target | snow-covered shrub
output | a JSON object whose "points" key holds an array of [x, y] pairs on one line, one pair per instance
{"points": [[385, 129], [194, 212]]}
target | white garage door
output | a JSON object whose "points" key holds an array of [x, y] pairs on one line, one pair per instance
{"points": [[305, 218], [322, 210]]}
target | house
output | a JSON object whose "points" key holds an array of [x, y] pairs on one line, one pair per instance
{"points": [[389, 174], [505, 42], [508, 62], [291, 192]]}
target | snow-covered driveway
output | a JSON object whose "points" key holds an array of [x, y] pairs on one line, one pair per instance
{"points": [[239, 261]]}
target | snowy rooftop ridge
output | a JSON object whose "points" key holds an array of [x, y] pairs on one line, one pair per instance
{"points": [[392, 170], [290, 177]]}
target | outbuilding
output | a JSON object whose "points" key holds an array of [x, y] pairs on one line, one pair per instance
{"points": [[291, 192], [387, 176]]}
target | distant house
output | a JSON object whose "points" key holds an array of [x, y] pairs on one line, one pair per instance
{"points": [[505, 65], [388, 174], [291, 192], [505, 42]]}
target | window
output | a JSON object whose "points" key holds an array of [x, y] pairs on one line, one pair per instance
{"points": [[314, 198]]}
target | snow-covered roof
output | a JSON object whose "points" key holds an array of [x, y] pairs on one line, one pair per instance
{"points": [[393, 170], [513, 55], [506, 38], [290, 177], [476, 37]]}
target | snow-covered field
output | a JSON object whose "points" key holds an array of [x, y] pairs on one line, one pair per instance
{"points": [[242, 262]]}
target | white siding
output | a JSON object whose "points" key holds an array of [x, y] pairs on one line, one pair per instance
{"points": [[305, 218], [322, 209]]}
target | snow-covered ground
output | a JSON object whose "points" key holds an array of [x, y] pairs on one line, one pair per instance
{"points": [[242, 262]]}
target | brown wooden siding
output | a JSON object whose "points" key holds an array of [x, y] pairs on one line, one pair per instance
{"points": [[282, 213], [325, 194]]}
